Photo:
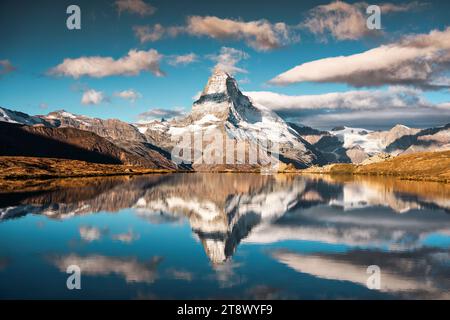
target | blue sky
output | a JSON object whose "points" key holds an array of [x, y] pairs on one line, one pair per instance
{"points": [[35, 39]]}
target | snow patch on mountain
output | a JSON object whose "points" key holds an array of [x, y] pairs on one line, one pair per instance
{"points": [[10, 116], [207, 119], [358, 137]]}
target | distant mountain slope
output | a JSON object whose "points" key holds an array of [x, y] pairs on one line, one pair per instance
{"points": [[122, 134], [69, 143], [355, 145], [388, 137], [111, 129], [332, 145], [11, 116], [424, 140]]}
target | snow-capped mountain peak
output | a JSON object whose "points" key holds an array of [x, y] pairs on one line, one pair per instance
{"points": [[352, 137], [11, 116], [400, 126], [63, 113], [223, 109], [222, 98], [217, 83]]}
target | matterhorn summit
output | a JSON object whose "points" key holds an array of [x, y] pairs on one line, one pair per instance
{"points": [[222, 108], [217, 83], [222, 98]]}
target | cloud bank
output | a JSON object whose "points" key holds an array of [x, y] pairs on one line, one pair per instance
{"points": [[372, 109], [344, 21], [132, 64], [130, 269], [395, 97], [419, 60], [159, 113], [261, 35]]}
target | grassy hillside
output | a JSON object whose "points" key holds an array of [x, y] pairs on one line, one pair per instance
{"points": [[430, 166], [20, 168]]}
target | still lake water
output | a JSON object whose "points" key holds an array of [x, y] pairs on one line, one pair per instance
{"points": [[198, 236]]}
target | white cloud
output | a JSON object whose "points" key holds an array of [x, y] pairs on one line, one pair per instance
{"points": [[345, 21], [176, 60], [130, 94], [342, 20], [131, 269], [228, 58], [395, 97], [405, 276], [364, 108], [149, 34], [414, 60], [156, 32], [383, 118], [403, 7], [126, 237], [132, 64], [6, 67], [180, 274], [444, 105], [92, 96], [135, 6], [259, 34], [90, 234], [159, 113]]}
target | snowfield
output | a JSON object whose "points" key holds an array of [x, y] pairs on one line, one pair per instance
{"points": [[354, 137]]}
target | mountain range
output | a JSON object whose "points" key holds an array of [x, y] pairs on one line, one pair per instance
{"points": [[222, 110]]}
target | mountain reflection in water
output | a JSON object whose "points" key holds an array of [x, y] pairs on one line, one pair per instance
{"points": [[326, 228]]}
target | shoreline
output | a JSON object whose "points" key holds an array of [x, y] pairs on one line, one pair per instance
{"points": [[420, 166], [17, 173], [49, 183], [381, 175]]}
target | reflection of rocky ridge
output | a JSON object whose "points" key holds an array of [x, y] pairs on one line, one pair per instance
{"points": [[226, 209], [378, 228], [95, 195]]}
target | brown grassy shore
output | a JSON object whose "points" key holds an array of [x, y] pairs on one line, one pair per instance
{"points": [[18, 171], [421, 166]]}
